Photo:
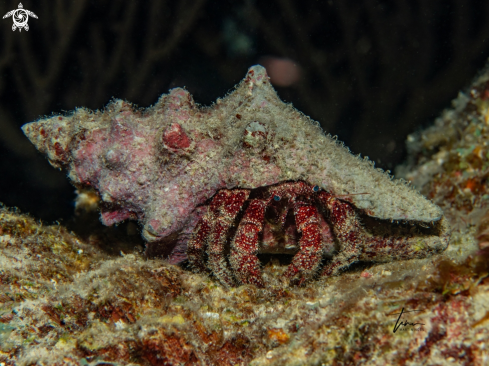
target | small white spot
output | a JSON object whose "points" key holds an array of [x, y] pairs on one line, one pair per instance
{"points": [[4, 238], [120, 324]]}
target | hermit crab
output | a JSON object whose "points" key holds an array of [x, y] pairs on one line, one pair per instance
{"points": [[217, 184], [355, 242]]}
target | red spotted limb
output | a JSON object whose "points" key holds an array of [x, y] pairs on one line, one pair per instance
{"points": [[212, 230]]}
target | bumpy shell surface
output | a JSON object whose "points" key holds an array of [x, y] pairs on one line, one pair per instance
{"points": [[159, 164]]}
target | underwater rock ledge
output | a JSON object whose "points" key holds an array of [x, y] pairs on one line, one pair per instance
{"points": [[66, 302]]}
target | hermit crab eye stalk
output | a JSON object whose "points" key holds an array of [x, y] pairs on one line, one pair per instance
{"points": [[276, 198], [315, 188]]}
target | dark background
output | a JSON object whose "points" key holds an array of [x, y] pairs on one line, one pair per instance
{"points": [[370, 71]]}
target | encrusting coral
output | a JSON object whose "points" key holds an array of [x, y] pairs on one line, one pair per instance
{"points": [[66, 302], [452, 156], [160, 165]]}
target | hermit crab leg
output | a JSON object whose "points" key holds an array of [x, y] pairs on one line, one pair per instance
{"points": [[230, 204], [381, 249], [198, 240], [306, 262], [348, 231], [244, 247], [221, 212], [356, 244]]}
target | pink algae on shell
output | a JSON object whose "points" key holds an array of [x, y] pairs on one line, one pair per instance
{"points": [[160, 165]]}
